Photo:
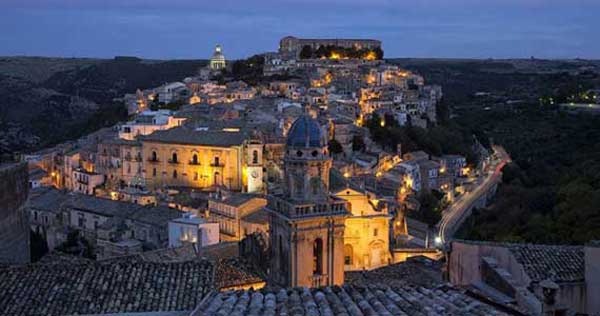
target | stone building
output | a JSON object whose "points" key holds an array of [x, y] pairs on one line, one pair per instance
{"points": [[217, 62], [293, 45], [14, 231], [307, 224], [203, 158], [541, 279], [229, 210], [367, 232]]}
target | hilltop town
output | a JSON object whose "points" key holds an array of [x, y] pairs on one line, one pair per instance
{"points": [[280, 184]]}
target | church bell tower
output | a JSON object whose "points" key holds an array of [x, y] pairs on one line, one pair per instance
{"points": [[307, 223]]}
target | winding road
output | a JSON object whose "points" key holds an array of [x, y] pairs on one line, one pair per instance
{"points": [[453, 216]]}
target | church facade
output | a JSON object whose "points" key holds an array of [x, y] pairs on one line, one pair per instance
{"points": [[306, 223], [366, 232]]}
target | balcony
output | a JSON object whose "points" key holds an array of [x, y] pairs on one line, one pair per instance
{"points": [[171, 161], [318, 280], [150, 160], [194, 163], [130, 158], [217, 164]]}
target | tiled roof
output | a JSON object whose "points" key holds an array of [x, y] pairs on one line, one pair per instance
{"points": [[190, 136], [559, 263], [47, 199], [112, 287], [259, 217], [232, 272], [348, 300]]}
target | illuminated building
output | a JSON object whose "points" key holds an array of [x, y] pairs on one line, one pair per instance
{"points": [[307, 224], [367, 232], [217, 62], [203, 158], [148, 122], [292, 45], [190, 229], [230, 211]]}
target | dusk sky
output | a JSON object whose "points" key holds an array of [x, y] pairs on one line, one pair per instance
{"points": [[191, 28]]}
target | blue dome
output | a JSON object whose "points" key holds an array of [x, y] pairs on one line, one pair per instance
{"points": [[305, 132]]}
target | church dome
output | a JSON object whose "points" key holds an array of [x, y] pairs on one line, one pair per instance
{"points": [[306, 132], [218, 54]]}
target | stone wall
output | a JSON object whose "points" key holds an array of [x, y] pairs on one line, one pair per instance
{"points": [[14, 227], [592, 277]]}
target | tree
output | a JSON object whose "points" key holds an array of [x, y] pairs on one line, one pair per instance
{"points": [[358, 143], [306, 52], [335, 147], [378, 52]]}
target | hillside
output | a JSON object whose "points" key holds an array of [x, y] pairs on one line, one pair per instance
{"points": [[551, 193], [50, 100]]}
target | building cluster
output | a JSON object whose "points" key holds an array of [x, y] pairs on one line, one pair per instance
{"points": [[280, 185]]}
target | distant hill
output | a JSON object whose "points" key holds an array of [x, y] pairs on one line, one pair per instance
{"points": [[48, 100]]}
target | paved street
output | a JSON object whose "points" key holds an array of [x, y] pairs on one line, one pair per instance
{"points": [[453, 215]]}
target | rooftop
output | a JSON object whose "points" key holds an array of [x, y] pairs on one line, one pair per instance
{"points": [[100, 288], [351, 300], [558, 263], [190, 136], [306, 132]]}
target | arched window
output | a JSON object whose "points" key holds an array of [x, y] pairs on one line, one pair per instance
{"points": [[348, 254], [174, 158], [318, 256], [216, 161], [195, 159], [154, 157], [174, 174], [255, 156]]}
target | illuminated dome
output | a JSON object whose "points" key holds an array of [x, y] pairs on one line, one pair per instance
{"points": [[306, 132], [218, 59]]}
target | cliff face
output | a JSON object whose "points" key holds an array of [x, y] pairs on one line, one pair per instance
{"points": [[14, 226]]}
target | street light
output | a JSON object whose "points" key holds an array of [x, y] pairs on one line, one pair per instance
{"points": [[438, 240]]}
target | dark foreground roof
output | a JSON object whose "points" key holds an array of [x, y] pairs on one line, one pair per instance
{"points": [[348, 300], [99, 288], [558, 263]]}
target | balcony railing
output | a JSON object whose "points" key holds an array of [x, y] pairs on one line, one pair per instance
{"points": [[318, 280], [153, 160], [194, 163], [173, 161], [331, 207], [130, 158], [217, 164]]}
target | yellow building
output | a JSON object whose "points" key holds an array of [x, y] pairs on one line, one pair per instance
{"points": [[202, 158], [366, 233]]}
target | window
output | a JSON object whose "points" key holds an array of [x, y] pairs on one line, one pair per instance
{"points": [[154, 172], [318, 256], [196, 176], [195, 159], [154, 157], [81, 220], [255, 156], [174, 158], [174, 174], [216, 161], [348, 254], [375, 232]]}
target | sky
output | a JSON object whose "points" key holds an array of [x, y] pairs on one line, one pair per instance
{"points": [[189, 29]]}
